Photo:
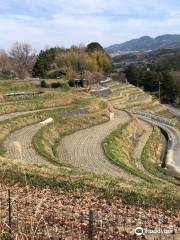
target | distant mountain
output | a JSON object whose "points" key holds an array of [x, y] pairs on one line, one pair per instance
{"points": [[146, 43]]}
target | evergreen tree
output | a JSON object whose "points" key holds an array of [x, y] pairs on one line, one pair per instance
{"points": [[93, 47], [168, 90], [133, 74], [44, 62]]}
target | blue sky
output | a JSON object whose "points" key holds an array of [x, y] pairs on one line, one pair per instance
{"points": [[45, 23]]}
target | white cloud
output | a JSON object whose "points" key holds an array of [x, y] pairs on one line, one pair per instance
{"points": [[71, 22]]}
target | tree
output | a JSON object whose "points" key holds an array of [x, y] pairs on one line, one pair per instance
{"points": [[73, 62], [5, 66], [93, 47], [22, 58], [168, 89], [44, 62], [176, 83], [104, 62], [149, 80], [133, 74]]}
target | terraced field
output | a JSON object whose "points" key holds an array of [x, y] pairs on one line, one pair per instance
{"points": [[123, 97], [82, 154], [83, 149], [127, 96], [133, 99], [24, 138], [76, 143]]}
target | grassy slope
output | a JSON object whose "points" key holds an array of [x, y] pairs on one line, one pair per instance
{"points": [[56, 99], [153, 106], [7, 86], [117, 147], [69, 179]]}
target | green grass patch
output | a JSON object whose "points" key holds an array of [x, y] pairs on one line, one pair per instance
{"points": [[116, 149]]}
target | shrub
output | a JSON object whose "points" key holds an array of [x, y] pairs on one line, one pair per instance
{"points": [[71, 83], [56, 85], [44, 84]]}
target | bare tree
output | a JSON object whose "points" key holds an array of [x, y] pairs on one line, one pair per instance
{"points": [[5, 67], [22, 58]]}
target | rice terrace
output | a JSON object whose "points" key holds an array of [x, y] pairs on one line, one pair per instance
{"points": [[81, 160]]}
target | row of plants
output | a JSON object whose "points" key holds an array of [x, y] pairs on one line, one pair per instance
{"points": [[134, 95], [56, 84], [7, 86]]}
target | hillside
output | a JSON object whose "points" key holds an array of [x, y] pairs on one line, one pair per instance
{"points": [[146, 43], [56, 172], [166, 59]]}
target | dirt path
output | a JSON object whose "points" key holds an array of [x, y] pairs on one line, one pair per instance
{"points": [[83, 149], [24, 137]]}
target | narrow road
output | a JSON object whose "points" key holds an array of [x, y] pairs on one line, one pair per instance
{"points": [[83, 149]]}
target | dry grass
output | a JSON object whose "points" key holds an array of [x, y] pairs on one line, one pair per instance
{"points": [[57, 99], [127, 96]]}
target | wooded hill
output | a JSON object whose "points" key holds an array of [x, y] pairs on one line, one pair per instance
{"points": [[55, 62]]}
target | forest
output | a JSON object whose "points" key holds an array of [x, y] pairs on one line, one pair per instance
{"points": [[162, 81], [22, 62]]}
